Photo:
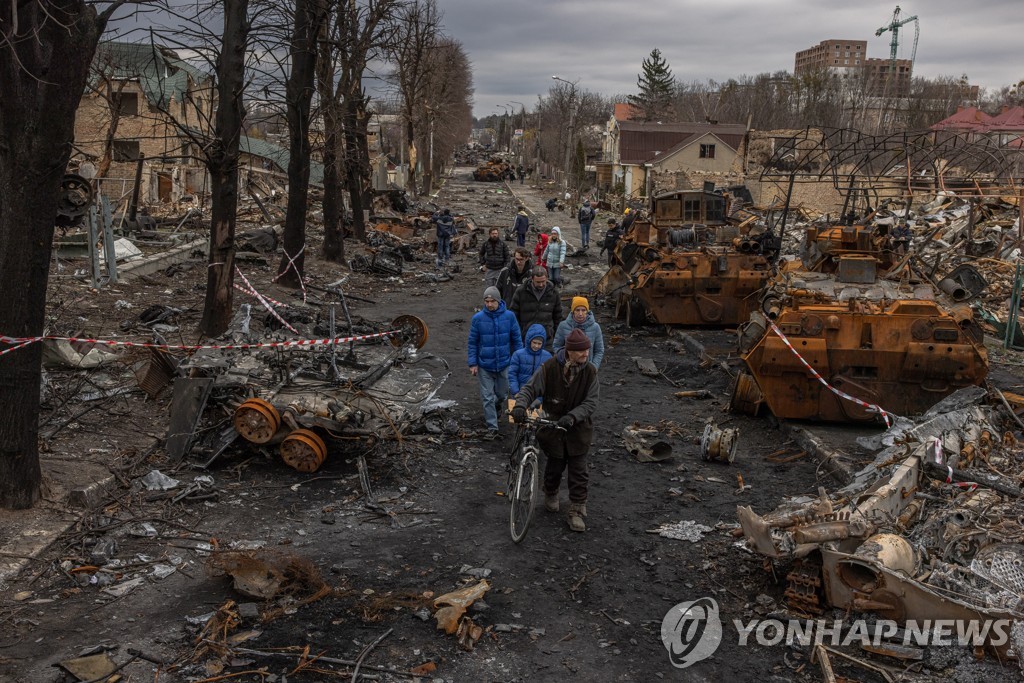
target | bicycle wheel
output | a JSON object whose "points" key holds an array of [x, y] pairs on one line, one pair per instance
{"points": [[523, 496]]}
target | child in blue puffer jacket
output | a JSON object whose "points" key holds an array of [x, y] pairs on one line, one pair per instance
{"points": [[528, 359]]}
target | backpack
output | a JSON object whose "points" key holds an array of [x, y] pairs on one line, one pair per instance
{"points": [[586, 214]]}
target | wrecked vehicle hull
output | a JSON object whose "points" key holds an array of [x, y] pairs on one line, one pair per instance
{"points": [[902, 356], [841, 339], [667, 271]]}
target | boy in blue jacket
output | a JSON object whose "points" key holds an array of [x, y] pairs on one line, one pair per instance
{"points": [[526, 360]]}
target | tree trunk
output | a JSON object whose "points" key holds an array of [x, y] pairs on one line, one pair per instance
{"points": [[410, 144], [309, 16], [354, 174], [42, 84], [223, 166], [334, 231]]}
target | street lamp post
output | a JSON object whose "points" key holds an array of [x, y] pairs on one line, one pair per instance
{"points": [[572, 125], [522, 125]]}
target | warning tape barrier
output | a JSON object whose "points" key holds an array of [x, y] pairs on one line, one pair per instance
{"points": [[21, 342], [871, 407]]}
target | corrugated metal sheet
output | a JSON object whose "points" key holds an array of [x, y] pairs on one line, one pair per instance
{"points": [[280, 157], [161, 74]]}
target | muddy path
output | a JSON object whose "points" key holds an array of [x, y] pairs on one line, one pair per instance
{"points": [[561, 605]]}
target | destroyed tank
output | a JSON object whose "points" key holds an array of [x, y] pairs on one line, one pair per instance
{"points": [[495, 170], [869, 325], [685, 265]]}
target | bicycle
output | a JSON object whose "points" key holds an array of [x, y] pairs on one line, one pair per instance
{"points": [[523, 475]]}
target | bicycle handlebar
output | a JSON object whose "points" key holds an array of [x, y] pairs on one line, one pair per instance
{"points": [[542, 422]]}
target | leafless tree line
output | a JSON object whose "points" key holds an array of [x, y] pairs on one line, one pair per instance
{"points": [[305, 58]]}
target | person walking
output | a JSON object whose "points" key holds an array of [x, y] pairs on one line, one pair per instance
{"points": [[554, 255], [493, 257], [628, 216], [537, 302], [493, 337], [568, 383], [539, 247], [514, 274], [521, 226], [581, 318], [585, 217], [528, 359], [445, 232], [611, 239]]}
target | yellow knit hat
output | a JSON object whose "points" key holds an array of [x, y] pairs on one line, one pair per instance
{"points": [[578, 301]]}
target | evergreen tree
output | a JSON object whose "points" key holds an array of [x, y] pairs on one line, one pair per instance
{"points": [[657, 88]]}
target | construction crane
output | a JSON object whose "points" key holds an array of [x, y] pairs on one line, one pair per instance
{"points": [[894, 26]]}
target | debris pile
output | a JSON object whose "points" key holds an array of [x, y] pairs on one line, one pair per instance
{"points": [[930, 530]]}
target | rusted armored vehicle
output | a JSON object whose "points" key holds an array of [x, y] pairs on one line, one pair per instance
{"points": [[495, 170], [876, 335], [686, 265]]}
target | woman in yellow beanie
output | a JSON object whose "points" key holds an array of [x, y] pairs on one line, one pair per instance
{"points": [[580, 317]]}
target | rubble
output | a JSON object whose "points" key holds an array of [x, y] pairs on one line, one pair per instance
{"points": [[928, 530]]}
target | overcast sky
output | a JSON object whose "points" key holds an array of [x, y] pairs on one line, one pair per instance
{"points": [[517, 45]]}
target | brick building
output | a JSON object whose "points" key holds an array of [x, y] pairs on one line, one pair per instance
{"points": [[849, 59]]}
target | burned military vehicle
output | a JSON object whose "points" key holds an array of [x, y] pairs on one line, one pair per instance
{"points": [[686, 265], [845, 334]]}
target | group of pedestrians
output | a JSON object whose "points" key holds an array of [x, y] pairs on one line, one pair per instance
{"points": [[507, 353]]}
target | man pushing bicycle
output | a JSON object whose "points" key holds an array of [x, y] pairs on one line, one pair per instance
{"points": [[568, 383]]}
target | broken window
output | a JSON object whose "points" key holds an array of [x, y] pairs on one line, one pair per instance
{"points": [[691, 210], [125, 103], [707, 151], [125, 150], [715, 208]]}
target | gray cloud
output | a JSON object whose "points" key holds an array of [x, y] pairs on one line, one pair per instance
{"points": [[516, 46]]}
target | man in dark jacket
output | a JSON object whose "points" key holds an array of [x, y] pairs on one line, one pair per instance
{"points": [[514, 274], [521, 226], [493, 257], [538, 301], [493, 337], [570, 389], [611, 239], [445, 232]]}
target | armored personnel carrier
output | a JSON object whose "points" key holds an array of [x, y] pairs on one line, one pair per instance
{"points": [[686, 265], [848, 335]]}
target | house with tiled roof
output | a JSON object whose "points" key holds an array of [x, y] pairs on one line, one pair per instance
{"points": [[1007, 126], [965, 120], [633, 151], [143, 101]]}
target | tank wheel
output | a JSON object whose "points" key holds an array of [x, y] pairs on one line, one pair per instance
{"points": [[304, 450], [256, 421], [413, 331]]}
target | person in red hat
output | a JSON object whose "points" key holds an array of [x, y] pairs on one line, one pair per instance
{"points": [[568, 383]]}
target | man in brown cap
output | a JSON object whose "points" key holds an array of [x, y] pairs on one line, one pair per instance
{"points": [[569, 386]]}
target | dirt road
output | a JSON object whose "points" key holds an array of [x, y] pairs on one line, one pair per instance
{"points": [[562, 606]]}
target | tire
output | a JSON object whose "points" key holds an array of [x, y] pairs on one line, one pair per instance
{"points": [[523, 494]]}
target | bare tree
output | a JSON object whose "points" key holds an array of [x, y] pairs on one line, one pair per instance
{"points": [[223, 165], [358, 32], [448, 103], [417, 30], [309, 17], [46, 48]]}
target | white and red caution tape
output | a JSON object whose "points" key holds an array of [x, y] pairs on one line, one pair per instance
{"points": [[253, 292], [871, 407], [21, 342], [265, 303]]}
